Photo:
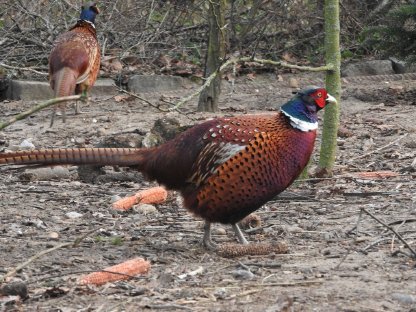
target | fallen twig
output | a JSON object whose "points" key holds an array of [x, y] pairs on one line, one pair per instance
{"points": [[140, 98], [392, 230], [154, 105], [378, 149], [40, 107], [42, 253], [192, 273], [376, 174], [24, 69], [348, 252]]}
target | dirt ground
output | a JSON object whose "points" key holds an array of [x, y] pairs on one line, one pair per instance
{"points": [[337, 260]]}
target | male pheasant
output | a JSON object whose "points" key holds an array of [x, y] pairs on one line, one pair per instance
{"points": [[74, 61], [224, 168]]}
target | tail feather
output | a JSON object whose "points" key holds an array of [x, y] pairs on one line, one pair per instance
{"points": [[76, 156], [64, 82]]}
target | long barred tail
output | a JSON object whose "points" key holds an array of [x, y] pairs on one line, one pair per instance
{"points": [[75, 156]]}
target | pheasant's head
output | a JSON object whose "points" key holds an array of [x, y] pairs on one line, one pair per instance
{"points": [[303, 107], [89, 11], [315, 96]]}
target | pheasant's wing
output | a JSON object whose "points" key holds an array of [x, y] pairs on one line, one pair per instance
{"points": [[213, 155], [223, 141]]}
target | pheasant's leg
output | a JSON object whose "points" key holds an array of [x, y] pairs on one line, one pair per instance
{"points": [[63, 110], [240, 235], [52, 117], [207, 241], [83, 99], [76, 108]]}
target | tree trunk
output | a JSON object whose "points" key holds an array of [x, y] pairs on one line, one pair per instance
{"points": [[333, 85], [217, 39]]}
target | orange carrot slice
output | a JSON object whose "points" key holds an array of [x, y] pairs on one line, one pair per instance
{"points": [[125, 271], [153, 195]]}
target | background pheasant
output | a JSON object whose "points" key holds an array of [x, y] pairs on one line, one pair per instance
{"points": [[74, 62], [224, 168]]}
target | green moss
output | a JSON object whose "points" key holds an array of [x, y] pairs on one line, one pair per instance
{"points": [[117, 241], [99, 239], [346, 54]]}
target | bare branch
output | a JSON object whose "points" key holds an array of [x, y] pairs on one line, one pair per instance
{"points": [[24, 69], [44, 252], [39, 107], [392, 230], [232, 61]]}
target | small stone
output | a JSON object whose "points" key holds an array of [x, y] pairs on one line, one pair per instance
{"points": [[221, 293], [344, 132], [293, 229], [293, 83], [326, 251], [219, 231], [404, 298], [242, 275], [167, 128], [396, 89], [80, 142], [321, 211], [26, 144], [14, 289], [101, 132], [53, 235], [145, 209], [151, 140], [98, 215], [73, 215]]}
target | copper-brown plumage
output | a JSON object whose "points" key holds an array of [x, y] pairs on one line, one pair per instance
{"points": [[224, 168], [74, 62]]}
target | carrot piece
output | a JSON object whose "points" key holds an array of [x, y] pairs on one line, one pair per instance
{"points": [[126, 270], [153, 195]]}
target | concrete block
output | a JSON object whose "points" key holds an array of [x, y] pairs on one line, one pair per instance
{"points": [[27, 90], [154, 83], [104, 87], [368, 68]]}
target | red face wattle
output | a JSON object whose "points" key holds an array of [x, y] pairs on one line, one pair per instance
{"points": [[320, 97]]}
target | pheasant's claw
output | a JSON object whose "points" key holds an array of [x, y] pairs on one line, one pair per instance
{"points": [[77, 109]]}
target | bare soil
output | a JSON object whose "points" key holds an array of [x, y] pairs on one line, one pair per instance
{"points": [[337, 260]]}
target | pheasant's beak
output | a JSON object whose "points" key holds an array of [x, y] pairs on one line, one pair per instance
{"points": [[330, 99]]}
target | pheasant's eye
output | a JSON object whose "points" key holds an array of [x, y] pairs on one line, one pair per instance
{"points": [[319, 94]]}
